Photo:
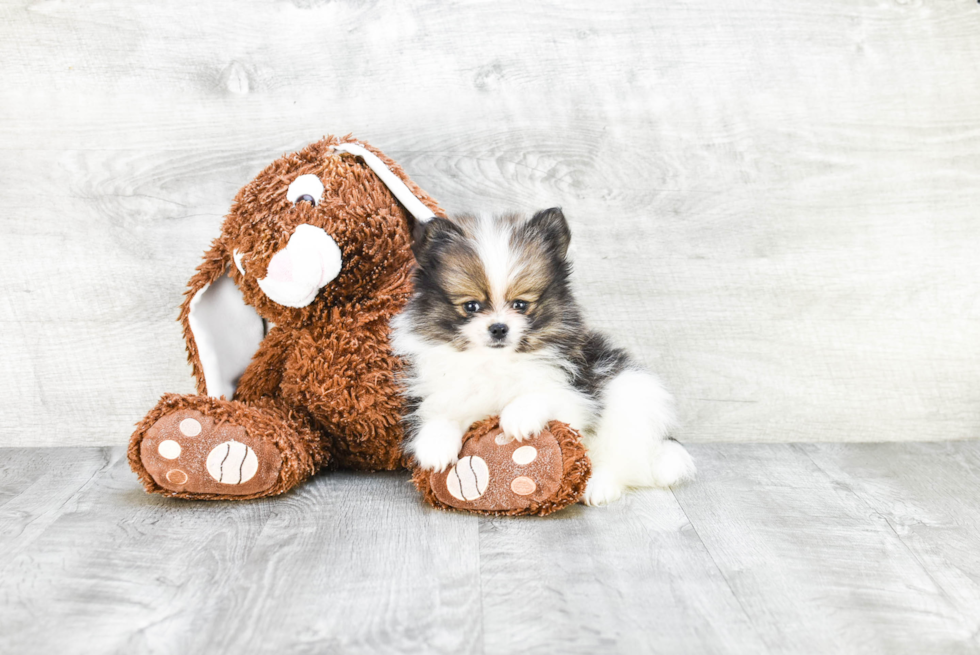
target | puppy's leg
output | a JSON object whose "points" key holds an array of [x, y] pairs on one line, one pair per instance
{"points": [[629, 445], [436, 445], [528, 414]]}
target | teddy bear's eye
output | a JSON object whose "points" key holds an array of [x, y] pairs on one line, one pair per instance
{"points": [[305, 188]]}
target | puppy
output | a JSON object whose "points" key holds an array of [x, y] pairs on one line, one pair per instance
{"points": [[492, 328]]}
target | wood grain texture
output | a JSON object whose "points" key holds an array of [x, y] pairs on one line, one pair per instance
{"points": [[348, 564], [630, 578], [822, 570], [930, 507], [773, 204], [777, 548]]}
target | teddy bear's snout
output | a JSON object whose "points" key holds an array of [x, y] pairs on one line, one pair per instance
{"points": [[310, 261]]}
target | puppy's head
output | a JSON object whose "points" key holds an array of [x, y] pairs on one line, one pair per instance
{"points": [[494, 282]]}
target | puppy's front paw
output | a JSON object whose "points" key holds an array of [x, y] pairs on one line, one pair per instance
{"points": [[602, 489], [436, 446], [524, 417]]}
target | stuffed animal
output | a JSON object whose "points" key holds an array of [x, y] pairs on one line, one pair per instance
{"points": [[286, 327], [499, 476]]}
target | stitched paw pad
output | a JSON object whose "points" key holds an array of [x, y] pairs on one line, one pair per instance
{"points": [[187, 451], [499, 474]]}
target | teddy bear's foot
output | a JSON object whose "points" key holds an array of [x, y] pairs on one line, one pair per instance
{"points": [[186, 451], [198, 447], [495, 475]]}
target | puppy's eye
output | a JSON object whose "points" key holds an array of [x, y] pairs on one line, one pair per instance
{"points": [[471, 307], [520, 305], [305, 188]]}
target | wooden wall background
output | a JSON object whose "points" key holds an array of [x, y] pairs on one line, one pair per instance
{"points": [[775, 203]]}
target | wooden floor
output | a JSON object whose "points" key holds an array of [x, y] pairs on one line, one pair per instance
{"points": [[781, 548]]}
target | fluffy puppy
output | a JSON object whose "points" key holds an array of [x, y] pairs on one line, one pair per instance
{"points": [[492, 328]]}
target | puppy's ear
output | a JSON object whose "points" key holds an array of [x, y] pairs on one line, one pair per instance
{"points": [[551, 224], [431, 233]]}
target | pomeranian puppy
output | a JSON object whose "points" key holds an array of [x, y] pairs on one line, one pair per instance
{"points": [[493, 328]]}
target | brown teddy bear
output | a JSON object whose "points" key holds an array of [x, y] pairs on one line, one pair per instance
{"points": [[286, 325]]}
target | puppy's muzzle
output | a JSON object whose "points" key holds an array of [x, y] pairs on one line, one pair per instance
{"points": [[498, 331], [309, 262]]}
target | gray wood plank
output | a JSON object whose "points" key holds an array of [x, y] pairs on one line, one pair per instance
{"points": [[346, 564], [929, 495], [773, 204], [814, 567], [363, 567], [116, 566], [630, 578], [776, 548], [20, 469], [35, 487]]}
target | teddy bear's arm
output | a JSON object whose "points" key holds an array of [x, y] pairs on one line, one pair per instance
{"points": [[263, 376], [323, 372], [346, 380]]}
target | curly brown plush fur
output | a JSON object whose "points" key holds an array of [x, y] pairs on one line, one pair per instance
{"points": [[322, 385]]}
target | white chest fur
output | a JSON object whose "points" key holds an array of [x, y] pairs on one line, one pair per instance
{"points": [[466, 386]]}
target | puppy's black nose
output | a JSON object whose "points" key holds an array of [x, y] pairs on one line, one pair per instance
{"points": [[498, 330]]}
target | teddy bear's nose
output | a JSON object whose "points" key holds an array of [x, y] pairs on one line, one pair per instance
{"points": [[308, 263], [306, 198], [281, 267]]}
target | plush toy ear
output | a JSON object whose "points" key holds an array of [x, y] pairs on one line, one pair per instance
{"points": [[221, 331], [398, 188], [420, 206]]}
